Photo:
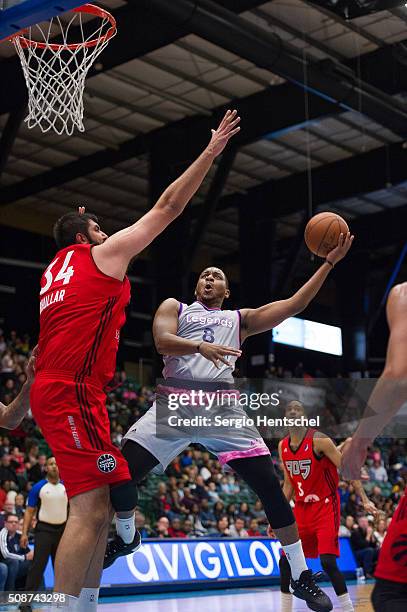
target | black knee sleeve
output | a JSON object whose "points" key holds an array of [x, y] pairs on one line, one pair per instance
{"points": [[124, 496], [330, 566], [260, 475], [285, 574], [139, 459]]}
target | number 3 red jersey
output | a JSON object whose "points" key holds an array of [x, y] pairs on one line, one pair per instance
{"points": [[81, 313], [313, 478]]}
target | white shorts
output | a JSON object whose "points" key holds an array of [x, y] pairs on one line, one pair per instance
{"points": [[226, 445]]}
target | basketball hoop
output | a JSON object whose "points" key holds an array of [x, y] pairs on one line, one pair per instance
{"points": [[55, 73]]}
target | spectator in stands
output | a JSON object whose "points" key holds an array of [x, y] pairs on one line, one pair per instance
{"points": [[17, 459], [174, 493], [7, 363], [195, 518], [8, 508], [188, 528], [224, 486], [219, 510], [352, 506], [19, 505], [232, 512], [378, 472], [237, 530], [364, 546], [207, 516], [200, 491], [162, 528], [32, 453], [259, 514], [212, 492], [7, 472], [222, 528], [234, 487], [16, 558], [343, 494], [244, 512], [186, 459], [188, 500], [38, 471], [5, 446], [175, 530], [380, 532], [205, 470], [253, 531], [175, 468], [346, 529], [8, 391], [141, 525], [377, 497], [163, 500]]}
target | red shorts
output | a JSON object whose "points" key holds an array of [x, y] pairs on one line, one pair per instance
{"points": [[392, 564], [318, 526], [74, 421]]}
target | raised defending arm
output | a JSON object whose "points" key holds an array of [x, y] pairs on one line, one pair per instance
{"points": [[113, 256]]}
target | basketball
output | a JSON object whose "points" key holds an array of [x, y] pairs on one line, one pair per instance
{"points": [[323, 231]]}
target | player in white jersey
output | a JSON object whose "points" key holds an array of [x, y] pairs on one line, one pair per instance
{"points": [[200, 344]]}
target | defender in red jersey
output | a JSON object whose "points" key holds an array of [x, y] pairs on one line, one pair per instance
{"points": [[83, 296], [388, 396], [310, 461]]}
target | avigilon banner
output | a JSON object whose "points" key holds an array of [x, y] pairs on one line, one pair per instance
{"points": [[188, 561]]}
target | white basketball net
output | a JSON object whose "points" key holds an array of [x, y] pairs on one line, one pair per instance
{"points": [[55, 73]]}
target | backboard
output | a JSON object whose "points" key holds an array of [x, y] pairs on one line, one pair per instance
{"points": [[18, 14]]}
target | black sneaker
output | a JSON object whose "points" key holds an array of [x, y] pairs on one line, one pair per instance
{"points": [[117, 548], [306, 588]]}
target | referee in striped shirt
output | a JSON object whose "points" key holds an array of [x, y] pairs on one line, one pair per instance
{"points": [[47, 497]]}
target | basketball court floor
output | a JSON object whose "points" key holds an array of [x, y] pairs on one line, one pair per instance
{"points": [[231, 600]]}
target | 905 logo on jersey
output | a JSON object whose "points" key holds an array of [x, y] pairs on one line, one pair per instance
{"points": [[296, 468], [106, 463]]}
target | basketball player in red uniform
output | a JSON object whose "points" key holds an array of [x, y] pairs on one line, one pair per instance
{"points": [[310, 460], [84, 293], [388, 396]]}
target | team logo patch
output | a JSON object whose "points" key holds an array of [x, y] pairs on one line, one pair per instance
{"points": [[106, 463]]}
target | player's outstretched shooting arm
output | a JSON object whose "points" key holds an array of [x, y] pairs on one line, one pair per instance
{"points": [[258, 320], [390, 392], [167, 342], [113, 256], [12, 415]]}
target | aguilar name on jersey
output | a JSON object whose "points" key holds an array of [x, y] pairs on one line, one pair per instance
{"points": [[201, 324], [314, 478], [81, 313]]}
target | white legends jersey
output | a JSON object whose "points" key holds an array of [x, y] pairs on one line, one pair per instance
{"points": [[201, 324]]}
